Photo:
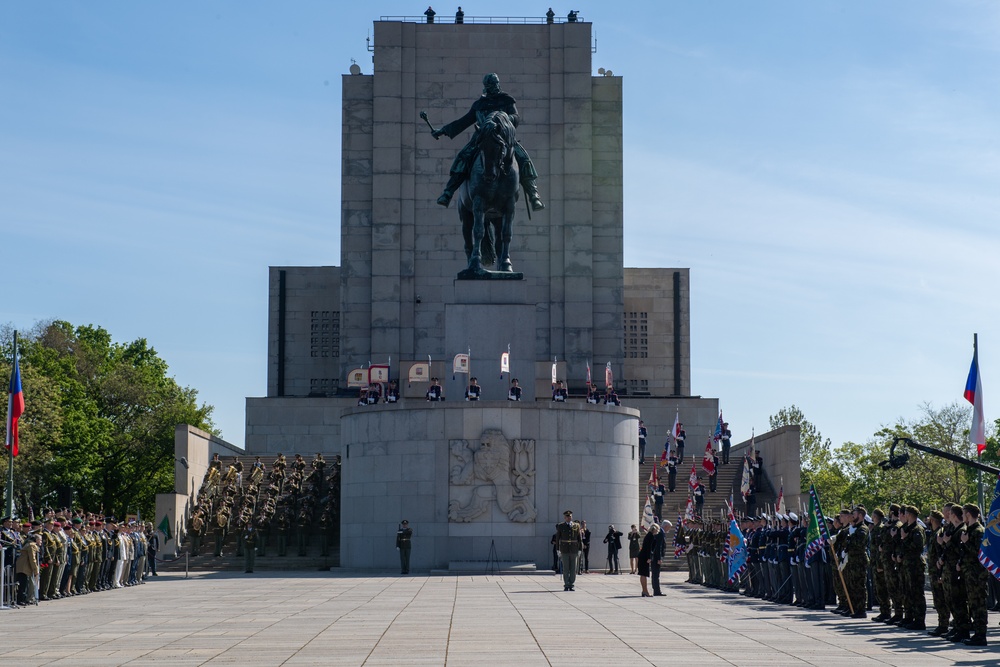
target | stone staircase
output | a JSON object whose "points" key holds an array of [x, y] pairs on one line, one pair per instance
{"points": [[229, 561], [730, 477]]}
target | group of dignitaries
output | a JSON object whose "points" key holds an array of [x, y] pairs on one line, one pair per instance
{"points": [[871, 560], [75, 553]]}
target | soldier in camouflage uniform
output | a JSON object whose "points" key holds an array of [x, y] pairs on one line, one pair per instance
{"points": [[877, 536], [934, 553], [890, 544], [856, 569], [954, 587], [912, 565], [838, 537], [975, 576]]}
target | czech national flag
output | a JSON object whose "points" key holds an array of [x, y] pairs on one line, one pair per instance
{"points": [[974, 395], [15, 407]]}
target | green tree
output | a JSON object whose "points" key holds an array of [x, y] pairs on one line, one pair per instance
{"points": [[815, 455], [99, 422]]}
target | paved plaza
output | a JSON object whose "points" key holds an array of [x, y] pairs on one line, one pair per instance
{"points": [[526, 619]]}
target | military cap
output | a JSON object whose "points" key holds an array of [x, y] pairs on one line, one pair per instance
{"points": [[878, 510], [568, 513], [937, 515], [894, 509], [77, 521], [793, 517], [6, 518], [36, 523], [845, 511], [25, 525]]}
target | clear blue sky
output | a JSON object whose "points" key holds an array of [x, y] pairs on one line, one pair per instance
{"points": [[830, 171]]}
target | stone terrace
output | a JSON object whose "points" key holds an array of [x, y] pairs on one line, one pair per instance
{"points": [[523, 620]]}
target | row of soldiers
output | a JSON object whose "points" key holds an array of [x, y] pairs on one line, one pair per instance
{"points": [[870, 560], [58, 557]]}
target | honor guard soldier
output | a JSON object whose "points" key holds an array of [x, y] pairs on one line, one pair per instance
{"points": [[514, 393], [559, 394], [435, 393], [404, 542], [473, 391]]}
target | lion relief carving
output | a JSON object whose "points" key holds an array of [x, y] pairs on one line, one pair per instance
{"points": [[492, 469]]}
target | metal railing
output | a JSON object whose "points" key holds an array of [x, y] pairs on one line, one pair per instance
{"points": [[500, 20]]}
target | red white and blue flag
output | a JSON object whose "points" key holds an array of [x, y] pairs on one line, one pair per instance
{"points": [[718, 429], [974, 395], [708, 463], [15, 406]]}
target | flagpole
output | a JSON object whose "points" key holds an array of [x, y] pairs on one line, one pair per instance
{"points": [[10, 448], [979, 473]]}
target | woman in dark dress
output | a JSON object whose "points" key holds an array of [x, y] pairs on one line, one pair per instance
{"points": [[633, 548], [645, 553]]}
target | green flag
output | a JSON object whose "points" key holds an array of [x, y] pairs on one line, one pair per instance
{"points": [[164, 527], [816, 535]]}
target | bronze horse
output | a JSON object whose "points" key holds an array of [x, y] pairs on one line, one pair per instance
{"points": [[486, 200]]}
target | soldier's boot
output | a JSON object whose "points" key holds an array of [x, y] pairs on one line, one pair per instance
{"points": [[895, 620], [938, 631], [978, 639], [959, 636], [454, 181], [916, 624], [881, 617], [531, 191]]}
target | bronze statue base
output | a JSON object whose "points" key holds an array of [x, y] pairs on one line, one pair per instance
{"points": [[483, 274]]}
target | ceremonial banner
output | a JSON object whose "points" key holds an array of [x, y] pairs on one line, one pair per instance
{"points": [[708, 463], [676, 430], [779, 506], [357, 378], [816, 535], [717, 436], [653, 479], [737, 551], [588, 373], [460, 364], [504, 363], [609, 377], [164, 527], [974, 395], [647, 515], [989, 550], [379, 373], [693, 479], [555, 375], [678, 541], [420, 372], [745, 481], [15, 404], [689, 511]]}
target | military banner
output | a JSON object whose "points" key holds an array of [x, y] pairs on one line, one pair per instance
{"points": [[164, 527], [989, 550], [737, 551], [420, 372], [460, 364], [357, 378], [378, 373]]}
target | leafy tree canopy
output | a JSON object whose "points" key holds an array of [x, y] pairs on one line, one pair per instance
{"points": [[98, 426], [851, 473]]}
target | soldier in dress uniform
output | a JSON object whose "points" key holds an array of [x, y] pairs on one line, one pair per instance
{"points": [[404, 544], [473, 391], [249, 539], [197, 527], [570, 544]]}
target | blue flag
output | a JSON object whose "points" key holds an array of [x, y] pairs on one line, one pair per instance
{"points": [[989, 550], [737, 551]]}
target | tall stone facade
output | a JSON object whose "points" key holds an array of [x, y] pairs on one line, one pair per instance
{"points": [[395, 297], [401, 251]]}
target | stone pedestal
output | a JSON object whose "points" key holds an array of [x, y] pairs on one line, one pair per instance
{"points": [[468, 476], [486, 317]]}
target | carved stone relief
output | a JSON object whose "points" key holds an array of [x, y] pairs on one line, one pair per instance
{"points": [[491, 469]]}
